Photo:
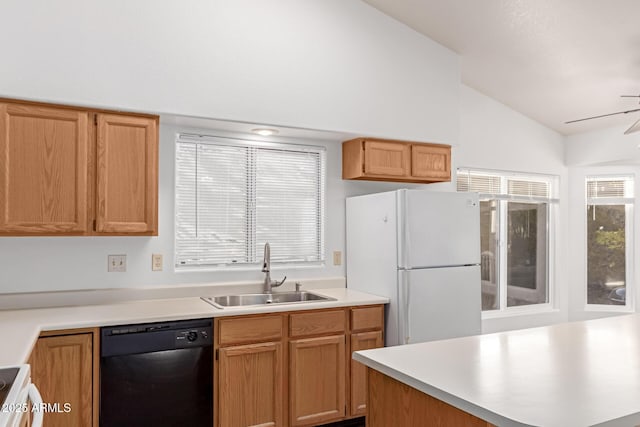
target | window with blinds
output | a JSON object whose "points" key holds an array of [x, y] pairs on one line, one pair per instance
{"points": [[609, 241], [501, 185], [607, 190], [233, 196], [517, 214]]}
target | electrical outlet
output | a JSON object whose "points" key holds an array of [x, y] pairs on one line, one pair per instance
{"points": [[156, 262], [337, 258], [117, 263]]}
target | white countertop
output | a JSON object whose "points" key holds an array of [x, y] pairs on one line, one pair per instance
{"points": [[19, 329], [572, 374]]}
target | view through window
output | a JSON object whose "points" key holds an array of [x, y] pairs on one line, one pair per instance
{"points": [[515, 224], [609, 210]]}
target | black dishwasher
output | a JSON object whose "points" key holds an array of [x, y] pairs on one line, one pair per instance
{"points": [[157, 374]]}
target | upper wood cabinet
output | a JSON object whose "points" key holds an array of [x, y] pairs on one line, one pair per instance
{"points": [[73, 171], [43, 163], [399, 161], [127, 174]]}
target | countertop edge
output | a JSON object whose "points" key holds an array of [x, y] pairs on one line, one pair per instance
{"points": [[437, 393], [20, 329]]}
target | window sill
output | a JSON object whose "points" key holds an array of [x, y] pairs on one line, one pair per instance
{"points": [[519, 311], [247, 268], [602, 308]]}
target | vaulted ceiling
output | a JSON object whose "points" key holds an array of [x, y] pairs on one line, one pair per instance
{"points": [[552, 60]]}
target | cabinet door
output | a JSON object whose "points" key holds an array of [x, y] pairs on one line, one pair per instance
{"points": [[431, 162], [317, 380], [250, 384], [61, 368], [127, 174], [386, 158], [43, 164], [361, 341]]}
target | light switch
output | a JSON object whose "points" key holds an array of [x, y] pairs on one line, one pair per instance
{"points": [[117, 263], [337, 258]]}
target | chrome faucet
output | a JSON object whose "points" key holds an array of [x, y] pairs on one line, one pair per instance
{"points": [[266, 269]]}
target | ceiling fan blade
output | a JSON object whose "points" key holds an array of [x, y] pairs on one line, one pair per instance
{"points": [[603, 115], [634, 128]]}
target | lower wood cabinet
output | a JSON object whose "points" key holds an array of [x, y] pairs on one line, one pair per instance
{"points": [[396, 404], [317, 380], [361, 341], [250, 379], [293, 368], [64, 367]]}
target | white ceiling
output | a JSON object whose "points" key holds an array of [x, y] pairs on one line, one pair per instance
{"points": [[552, 60]]}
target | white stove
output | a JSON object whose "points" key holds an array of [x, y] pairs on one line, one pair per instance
{"points": [[16, 391]]}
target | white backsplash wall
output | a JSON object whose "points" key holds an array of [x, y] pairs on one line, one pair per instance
{"points": [[30, 264]]}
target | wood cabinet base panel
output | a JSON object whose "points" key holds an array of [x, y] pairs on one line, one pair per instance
{"points": [[392, 403]]}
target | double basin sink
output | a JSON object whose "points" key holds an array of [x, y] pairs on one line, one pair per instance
{"points": [[264, 299]]}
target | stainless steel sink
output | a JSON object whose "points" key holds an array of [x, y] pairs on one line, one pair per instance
{"points": [[263, 299]]}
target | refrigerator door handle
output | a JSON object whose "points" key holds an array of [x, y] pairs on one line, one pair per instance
{"points": [[402, 235], [405, 332]]}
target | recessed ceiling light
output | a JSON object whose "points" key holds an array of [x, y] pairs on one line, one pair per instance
{"points": [[264, 131]]}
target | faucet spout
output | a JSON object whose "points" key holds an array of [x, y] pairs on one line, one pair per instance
{"points": [[266, 262], [266, 269]]}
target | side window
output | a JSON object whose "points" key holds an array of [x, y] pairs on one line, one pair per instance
{"points": [[515, 223], [609, 210]]}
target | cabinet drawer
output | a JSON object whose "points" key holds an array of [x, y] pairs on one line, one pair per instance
{"points": [[368, 318], [316, 323], [250, 329]]}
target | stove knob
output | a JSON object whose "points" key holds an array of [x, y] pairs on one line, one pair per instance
{"points": [[192, 336]]}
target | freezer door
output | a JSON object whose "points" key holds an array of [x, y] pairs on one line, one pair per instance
{"points": [[439, 303], [440, 229]]}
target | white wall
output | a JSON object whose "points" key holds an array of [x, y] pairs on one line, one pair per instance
{"points": [[493, 136], [336, 65], [331, 65], [608, 146]]}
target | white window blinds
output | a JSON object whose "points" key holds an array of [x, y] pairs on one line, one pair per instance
{"points": [[501, 185], [609, 190], [233, 196]]}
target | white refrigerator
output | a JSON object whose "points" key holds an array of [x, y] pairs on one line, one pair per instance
{"points": [[420, 249]]}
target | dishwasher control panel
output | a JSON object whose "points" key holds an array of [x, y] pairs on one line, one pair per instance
{"points": [[151, 337], [192, 337]]}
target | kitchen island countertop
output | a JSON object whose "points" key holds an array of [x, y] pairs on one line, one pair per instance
{"points": [[19, 329], [572, 374]]}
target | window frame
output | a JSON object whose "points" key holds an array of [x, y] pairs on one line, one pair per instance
{"points": [[630, 285], [244, 141], [502, 199]]}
